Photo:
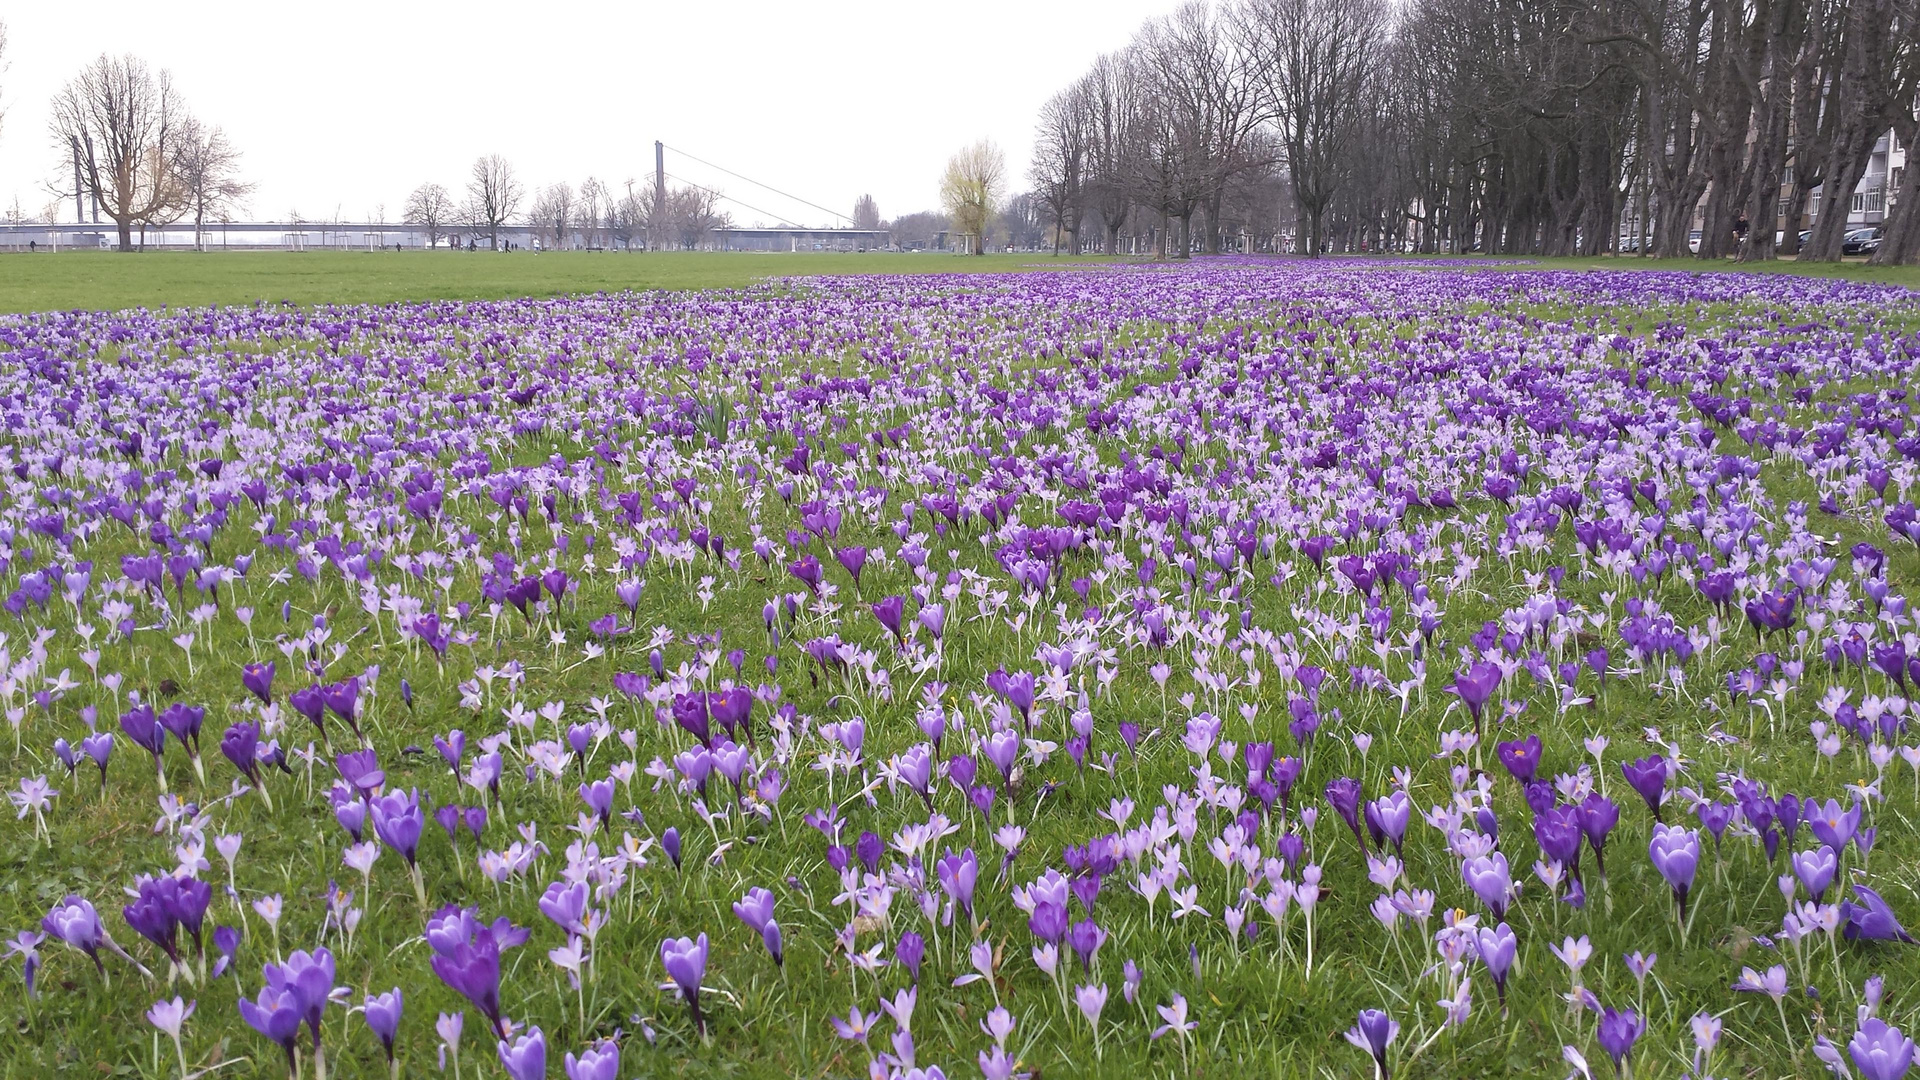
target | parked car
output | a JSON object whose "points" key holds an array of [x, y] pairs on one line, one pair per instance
{"points": [[1693, 241], [1629, 244], [1862, 241]]}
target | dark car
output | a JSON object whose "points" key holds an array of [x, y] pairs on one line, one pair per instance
{"points": [[1862, 241]]}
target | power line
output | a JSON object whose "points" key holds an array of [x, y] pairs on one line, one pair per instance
{"points": [[757, 183], [723, 195]]}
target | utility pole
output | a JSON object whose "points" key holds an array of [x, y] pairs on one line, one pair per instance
{"points": [[656, 219]]}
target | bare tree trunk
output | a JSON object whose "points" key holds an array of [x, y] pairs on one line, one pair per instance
{"points": [[1901, 244]]}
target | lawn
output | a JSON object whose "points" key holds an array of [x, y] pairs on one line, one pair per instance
{"points": [[96, 280], [1121, 671]]}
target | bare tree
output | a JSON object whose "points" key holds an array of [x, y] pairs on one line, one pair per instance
{"points": [[123, 120], [493, 196], [692, 213], [207, 168], [1059, 168], [1110, 95], [866, 213], [431, 208], [1316, 62], [971, 188], [552, 215], [627, 217], [590, 209]]}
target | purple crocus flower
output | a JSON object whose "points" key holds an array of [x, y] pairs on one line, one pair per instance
{"points": [[183, 721], [686, 962], [343, 700], [1343, 794], [1475, 686], [1598, 816], [398, 820], [361, 769], [910, 951], [1648, 776], [258, 681], [1872, 918], [309, 702], [1374, 1031], [1880, 1051], [308, 977], [99, 747], [690, 712], [382, 1014], [143, 727], [1521, 757], [889, 611], [241, 745], [1815, 869], [467, 956], [853, 559], [526, 1057], [276, 1013], [1618, 1031], [453, 748]]}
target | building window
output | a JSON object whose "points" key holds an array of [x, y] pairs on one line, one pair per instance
{"points": [[1859, 202]]}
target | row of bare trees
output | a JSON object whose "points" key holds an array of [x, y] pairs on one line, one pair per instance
{"points": [[560, 215], [138, 153], [1522, 126]]}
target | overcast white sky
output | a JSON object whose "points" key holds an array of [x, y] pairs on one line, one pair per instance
{"points": [[346, 106]]}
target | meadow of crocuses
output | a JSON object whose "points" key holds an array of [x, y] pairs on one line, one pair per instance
{"points": [[1249, 668]]}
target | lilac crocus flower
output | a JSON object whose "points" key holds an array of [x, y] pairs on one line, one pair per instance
{"points": [[755, 909], [1491, 880], [1676, 855], [1497, 948], [599, 1062], [75, 922], [686, 962], [1833, 826]]}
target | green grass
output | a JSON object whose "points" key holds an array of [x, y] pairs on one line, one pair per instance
{"points": [[110, 281]]}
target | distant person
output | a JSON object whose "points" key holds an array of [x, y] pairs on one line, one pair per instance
{"points": [[1740, 228], [33, 246]]}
